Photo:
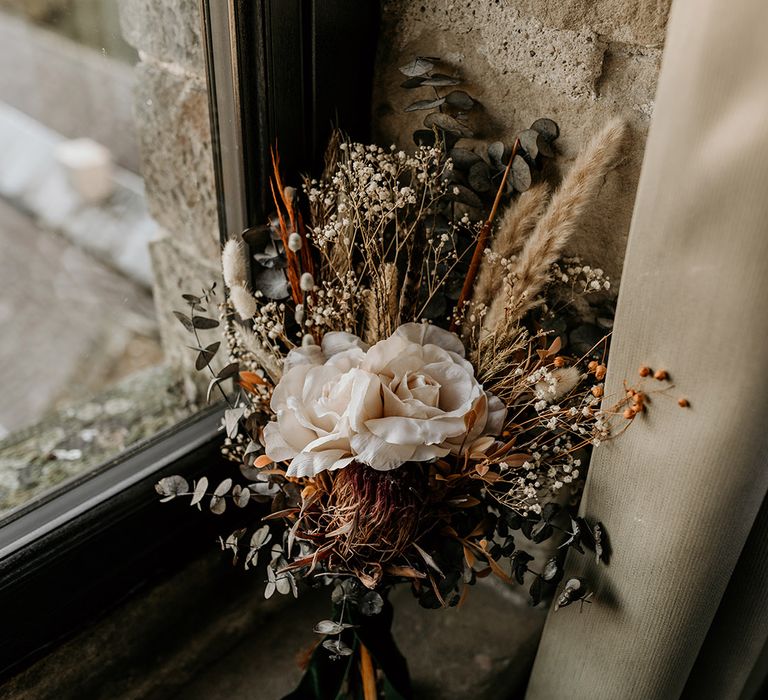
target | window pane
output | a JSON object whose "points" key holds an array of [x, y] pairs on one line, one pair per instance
{"points": [[83, 370]]}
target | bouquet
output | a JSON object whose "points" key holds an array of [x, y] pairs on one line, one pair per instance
{"points": [[408, 387]]}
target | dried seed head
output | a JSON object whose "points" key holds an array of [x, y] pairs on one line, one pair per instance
{"points": [[644, 371], [243, 302], [629, 414], [661, 375], [683, 403], [592, 366], [307, 340], [234, 264], [294, 242], [597, 391], [600, 371], [307, 282], [559, 361]]}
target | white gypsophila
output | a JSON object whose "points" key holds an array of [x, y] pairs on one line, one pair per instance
{"points": [[411, 397]]}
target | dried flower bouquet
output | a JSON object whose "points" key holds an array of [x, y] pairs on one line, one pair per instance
{"points": [[405, 394]]}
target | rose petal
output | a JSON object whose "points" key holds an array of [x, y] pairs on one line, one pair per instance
{"points": [[428, 334], [307, 464], [375, 452], [337, 341]]}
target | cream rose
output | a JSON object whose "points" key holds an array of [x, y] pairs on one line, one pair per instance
{"points": [[408, 398]]}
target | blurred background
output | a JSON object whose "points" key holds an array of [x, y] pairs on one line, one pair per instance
{"points": [[77, 317]]}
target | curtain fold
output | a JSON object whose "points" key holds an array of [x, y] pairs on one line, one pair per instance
{"points": [[679, 492]]}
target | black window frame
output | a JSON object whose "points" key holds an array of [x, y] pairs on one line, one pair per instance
{"points": [[277, 75]]}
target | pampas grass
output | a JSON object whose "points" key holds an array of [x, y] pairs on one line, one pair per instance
{"points": [[516, 224], [556, 227]]}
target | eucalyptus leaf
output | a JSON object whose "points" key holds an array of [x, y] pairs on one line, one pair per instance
{"points": [[414, 82], [206, 355], [460, 100], [217, 505], [186, 321], [337, 647], [440, 80], [462, 194], [447, 123], [242, 497], [329, 627], [371, 603], [479, 177], [424, 104], [496, 153], [204, 323], [171, 486], [528, 140], [521, 174], [283, 583], [200, 490], [463, 158], [261, 537], [223, 488], [226, 372], [547, 128], [417, 67], [232, 418]]}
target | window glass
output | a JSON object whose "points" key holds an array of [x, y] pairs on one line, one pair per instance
{"points": [[82, 368]]}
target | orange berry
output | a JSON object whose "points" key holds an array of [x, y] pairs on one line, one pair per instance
{"points": [[661, 375], [683, 403], [592, 366], [600, 372], [644, 371], [629, 414], [597, 391], [559, 361]]}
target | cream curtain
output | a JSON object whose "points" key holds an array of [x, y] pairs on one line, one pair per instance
{"points": [[682, 609]]}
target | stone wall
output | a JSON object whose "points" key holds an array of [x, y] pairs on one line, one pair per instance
{"points": [[172, 123], [578, 62]]}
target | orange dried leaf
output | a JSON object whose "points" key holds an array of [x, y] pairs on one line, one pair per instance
{"points": [[262, 461], [405, 572]]}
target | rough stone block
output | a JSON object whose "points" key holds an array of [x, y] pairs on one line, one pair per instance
{"points": [[641, 22], [177, 165], [567, 61], [167, 31]]}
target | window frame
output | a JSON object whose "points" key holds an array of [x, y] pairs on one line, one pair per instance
{"points": [[72, 555]]}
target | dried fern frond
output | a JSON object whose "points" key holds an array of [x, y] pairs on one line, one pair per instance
{"points": [[558, 224]]}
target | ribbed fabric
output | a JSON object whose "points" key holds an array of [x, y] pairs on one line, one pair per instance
{"points": [[680, 490]]}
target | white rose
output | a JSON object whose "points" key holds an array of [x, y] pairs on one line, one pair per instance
{"points": [[411, 397]]}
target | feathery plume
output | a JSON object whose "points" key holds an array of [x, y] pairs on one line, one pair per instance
{"points": [[234, 263], [516, 224], [553, 231], [243, 302]]}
